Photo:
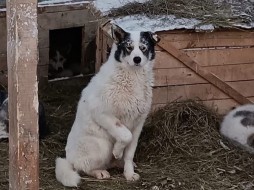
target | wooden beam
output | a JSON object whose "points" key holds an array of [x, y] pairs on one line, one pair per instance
{"points": [[22, 58], [207, 57], [201, 71], [98, 61], [181, 76], [231, 38]]}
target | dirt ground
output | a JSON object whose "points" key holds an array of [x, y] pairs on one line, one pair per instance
{"points": [[183, 158]]}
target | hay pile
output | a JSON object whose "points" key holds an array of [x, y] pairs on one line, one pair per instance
{"points": [[179, 148], [220, 13], [181, 140], [187, 127]]}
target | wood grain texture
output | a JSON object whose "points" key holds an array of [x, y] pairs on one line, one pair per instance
{"points": [[180, 76], [199, 91], [43, 36], [61, 7], [204, 73], [99, 38], [104, 48], [22, 55], [3, 34], [3, 61], [43, 56], [187, 40], [206, 57], [61, 20]]}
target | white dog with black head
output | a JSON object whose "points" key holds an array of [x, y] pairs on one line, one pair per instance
{"points": [[111, 111], [238, 127]]}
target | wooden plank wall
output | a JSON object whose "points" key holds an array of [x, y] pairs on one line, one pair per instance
{"points": [[227, 54], [3, 51]]}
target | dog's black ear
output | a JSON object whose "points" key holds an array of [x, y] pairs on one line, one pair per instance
{"points": [[117, 33], [250, 140], [155, 38]]}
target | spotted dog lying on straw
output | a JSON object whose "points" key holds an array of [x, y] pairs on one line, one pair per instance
{"points": [[111, 111], [238, 126]]}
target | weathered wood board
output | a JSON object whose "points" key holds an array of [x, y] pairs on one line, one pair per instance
{"points": [[23, 94]]}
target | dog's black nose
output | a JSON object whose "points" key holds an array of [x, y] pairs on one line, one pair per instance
{"points": [[137, 60]]}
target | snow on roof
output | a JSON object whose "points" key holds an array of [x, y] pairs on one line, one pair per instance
{"points": [[171, 22], [158, 23], [165, 23]]}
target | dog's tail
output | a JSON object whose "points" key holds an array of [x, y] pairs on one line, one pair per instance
{"points": [[65, 173]]}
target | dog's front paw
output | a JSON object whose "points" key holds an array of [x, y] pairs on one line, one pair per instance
{"points": [[118, 150], [132, 176], [118, 153]]}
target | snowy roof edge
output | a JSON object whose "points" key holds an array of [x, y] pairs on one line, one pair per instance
{"points": [[169, 23], [159, 23]]}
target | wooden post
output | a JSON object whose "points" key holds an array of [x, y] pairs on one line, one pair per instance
{"points": [[98, 50], [22, 52]]}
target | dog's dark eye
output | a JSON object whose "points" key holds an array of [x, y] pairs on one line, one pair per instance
{"points": [[143, 48], [129, 48]]}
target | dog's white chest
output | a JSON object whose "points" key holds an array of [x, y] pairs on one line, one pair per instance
{"points": [[129, 96]]}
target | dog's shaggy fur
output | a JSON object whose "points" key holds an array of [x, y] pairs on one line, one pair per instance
{"points": [[111, 111], [238, 127]]}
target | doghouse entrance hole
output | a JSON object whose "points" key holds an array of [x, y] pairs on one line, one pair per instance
{"points": [[65, 53]]}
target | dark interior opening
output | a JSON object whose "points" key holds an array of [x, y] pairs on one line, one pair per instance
{"points": [[65, 52]]}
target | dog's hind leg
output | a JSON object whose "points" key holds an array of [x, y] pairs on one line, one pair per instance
{"points": [[90, 155], [93, 166], [117, 130]]}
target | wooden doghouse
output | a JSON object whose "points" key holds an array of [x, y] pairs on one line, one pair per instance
{"points": [[216, 67], [54, 17]]}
